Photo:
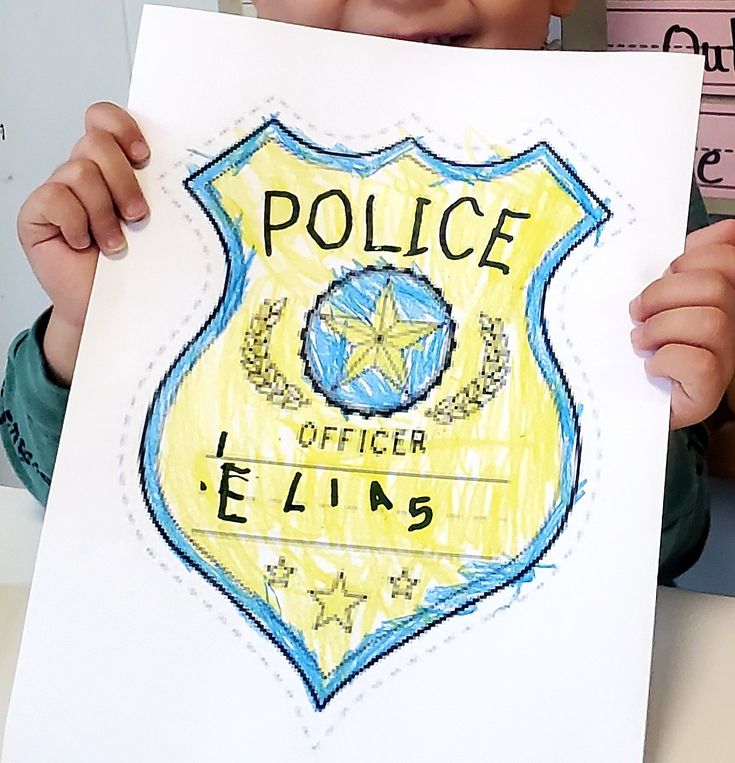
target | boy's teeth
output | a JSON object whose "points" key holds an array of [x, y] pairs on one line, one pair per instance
{"points": [[445, 39]]}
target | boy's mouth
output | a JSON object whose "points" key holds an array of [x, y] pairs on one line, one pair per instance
{"points": [[446, 39], [433, 39]]}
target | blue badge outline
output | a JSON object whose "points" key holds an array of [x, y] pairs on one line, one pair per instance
{"points": [[483, 579]]}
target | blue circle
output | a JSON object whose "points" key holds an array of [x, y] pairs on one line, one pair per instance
{"points": [[378, 340]]}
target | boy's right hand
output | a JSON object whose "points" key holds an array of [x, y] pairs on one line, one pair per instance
{"points": [[75, 214]]}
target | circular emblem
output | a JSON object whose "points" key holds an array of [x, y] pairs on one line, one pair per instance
{"points": [[378, 340]]}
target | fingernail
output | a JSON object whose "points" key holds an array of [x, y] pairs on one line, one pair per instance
{"points": [[139, 151], [635, 307], [136, 210], [116, 243], [636, 336]]}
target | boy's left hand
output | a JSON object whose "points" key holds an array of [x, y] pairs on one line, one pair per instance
{"points": [[687, 320]]}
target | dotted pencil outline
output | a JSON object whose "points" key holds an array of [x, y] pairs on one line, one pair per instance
{"points": [[528, 588]]}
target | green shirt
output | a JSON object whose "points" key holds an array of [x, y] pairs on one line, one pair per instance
{"points": [[32, 410]]}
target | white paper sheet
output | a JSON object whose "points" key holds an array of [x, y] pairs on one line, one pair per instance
{"points": [[130, 652]]}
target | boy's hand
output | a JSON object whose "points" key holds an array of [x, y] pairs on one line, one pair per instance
{"points": [[687, 320], [74, 215]]}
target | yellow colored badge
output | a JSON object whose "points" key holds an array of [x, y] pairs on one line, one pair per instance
{"points": [[373, 417]]}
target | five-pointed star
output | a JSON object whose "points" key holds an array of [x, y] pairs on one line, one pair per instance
{"points": [[380, 341], [336, 605]]}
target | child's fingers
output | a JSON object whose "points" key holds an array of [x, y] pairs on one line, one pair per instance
{"points": [[706, 327], [124, 129], [101, 148], [718, 256], [685, 289], [722, 232], [84, 178], [57, 209], [697, 378]]}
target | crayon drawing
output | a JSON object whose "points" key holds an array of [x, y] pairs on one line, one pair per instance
{"points": [[371, 432]]}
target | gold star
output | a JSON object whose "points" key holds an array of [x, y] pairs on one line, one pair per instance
{"points": [[379, 342], [336, 605], [279, 574], [403, 586]]}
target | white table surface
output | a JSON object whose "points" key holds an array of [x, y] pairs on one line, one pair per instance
{"points": [[20, 529], [692, 706]]}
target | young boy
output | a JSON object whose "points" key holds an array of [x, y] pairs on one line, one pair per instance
{"points": [[686, 319]]}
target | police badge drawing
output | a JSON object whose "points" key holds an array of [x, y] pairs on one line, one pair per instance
{"points": [[371, 432]]}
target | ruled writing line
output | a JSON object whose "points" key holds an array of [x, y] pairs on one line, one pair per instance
{"points": [[318, 467], [347, 546]]}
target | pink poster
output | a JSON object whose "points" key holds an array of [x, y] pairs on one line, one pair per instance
{"points": [[704, 27]]}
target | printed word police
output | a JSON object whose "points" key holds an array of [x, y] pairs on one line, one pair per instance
{"points": [[283, 210]]}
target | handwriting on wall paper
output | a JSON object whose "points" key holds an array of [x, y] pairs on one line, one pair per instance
{"points": [[715, 159], [701, 27]]}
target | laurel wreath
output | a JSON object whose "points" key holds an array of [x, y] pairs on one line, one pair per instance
{"points": [[260, 369], [491, 378]]}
